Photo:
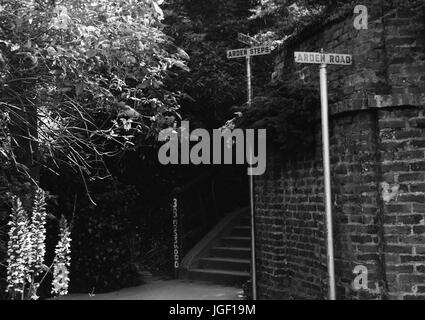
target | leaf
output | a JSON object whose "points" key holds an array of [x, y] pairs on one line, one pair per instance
{"points": [[51, 51], [158, 10], [182, 66], [15, 47], [91, 53], [183, 54], [62, 20], [79, 89]]}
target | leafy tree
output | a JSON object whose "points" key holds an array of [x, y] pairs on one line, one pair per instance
{"points": [[82, 80], [205, 30]]}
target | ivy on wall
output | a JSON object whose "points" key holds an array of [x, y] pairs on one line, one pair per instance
{"points": [[289, 116]]}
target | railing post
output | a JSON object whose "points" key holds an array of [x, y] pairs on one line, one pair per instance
{"points": [[176, 237]]}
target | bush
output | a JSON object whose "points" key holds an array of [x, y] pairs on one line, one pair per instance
{"points": [[106, 242]]}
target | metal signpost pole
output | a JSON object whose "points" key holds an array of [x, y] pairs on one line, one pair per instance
{"points": [[251, 190], [327, 179], [255, 49], [323, 59], [248, 74]]}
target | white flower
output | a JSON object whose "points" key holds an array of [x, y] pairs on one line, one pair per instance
{"points": [[38, 232], [62, 261], [18, 249], [27, 248]]}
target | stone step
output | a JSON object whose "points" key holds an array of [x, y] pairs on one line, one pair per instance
{"points": [[241, 231], [225, 264], [231, 252], [244, 242], [225, 277]]}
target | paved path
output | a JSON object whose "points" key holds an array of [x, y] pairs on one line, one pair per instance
{"points": [[156, 289]]}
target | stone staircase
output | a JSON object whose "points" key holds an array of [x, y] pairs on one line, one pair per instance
{"points": [[225, 258]]}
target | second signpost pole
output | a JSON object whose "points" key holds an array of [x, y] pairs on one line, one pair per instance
{"points": [[248, 73], [251, 188], [248, 53]]}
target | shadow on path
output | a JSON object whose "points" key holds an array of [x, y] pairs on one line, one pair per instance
{"points": [[157, 289]]}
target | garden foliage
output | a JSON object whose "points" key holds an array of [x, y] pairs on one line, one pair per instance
{"points": [[83, 80], [26, 250], [106, 241]]}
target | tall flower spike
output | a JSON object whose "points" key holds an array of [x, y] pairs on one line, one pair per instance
{"points": [[38, 233], [18, 249], [62, 260]]}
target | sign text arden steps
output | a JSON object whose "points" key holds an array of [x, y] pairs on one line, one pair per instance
{"points": [[248, 52]]}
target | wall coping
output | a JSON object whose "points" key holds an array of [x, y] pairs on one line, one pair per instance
{"points": [[373, 101]]}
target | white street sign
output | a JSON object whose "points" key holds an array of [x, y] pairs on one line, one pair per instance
{"points": [[248, 52], [323, 58], [248, 40]]}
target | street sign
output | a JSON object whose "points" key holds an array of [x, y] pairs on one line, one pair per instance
{"points": [[248, 52], [250, 41], [323, 58]]}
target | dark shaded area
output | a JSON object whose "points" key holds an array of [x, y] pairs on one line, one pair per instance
{"points": [[130, 229]]}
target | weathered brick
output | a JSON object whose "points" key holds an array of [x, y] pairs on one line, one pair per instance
{"points": [[410, 219], [391, 167], [400, 269], [417, 122], [418, 207], [418, 166], [411, 198], [421, 289], [420, 187], [398, 208], [408, 134], [404, 177], [410, 258], [420, 249], [399, 249], [392, 124], [419, 229], [398, 230]]}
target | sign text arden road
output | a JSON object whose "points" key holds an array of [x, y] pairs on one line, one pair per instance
{"points": [[248, 52], [323, 58]]}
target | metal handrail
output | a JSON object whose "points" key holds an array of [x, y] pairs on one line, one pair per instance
{"points": [[179, 235]]}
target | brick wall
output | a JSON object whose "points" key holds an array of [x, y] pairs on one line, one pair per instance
{"points": [[402, 135], [378, 168], [289, 227]]}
